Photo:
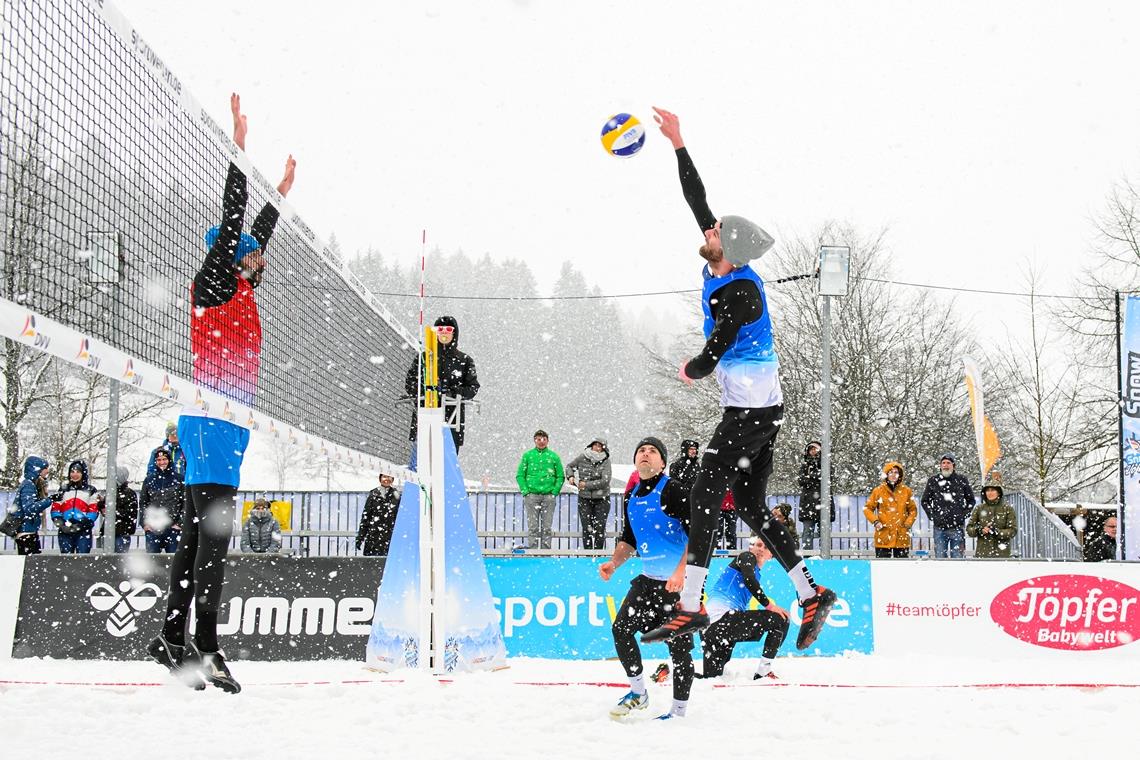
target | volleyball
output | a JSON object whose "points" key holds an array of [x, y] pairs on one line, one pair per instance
{"points": [[623, 135]]}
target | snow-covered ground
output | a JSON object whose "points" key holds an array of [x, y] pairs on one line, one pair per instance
{"points": [[854, 707]]}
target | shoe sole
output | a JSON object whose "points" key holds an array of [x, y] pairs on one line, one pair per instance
{"points": [[667, 634], [819, 618]]}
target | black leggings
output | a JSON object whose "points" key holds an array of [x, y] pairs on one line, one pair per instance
{"points": [[888, 553], [645, 607], [749, 492], [199, 567], [735, 626], [592, 513]]}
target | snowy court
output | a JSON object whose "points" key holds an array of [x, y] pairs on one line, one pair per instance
{"points": [[851, 707]]}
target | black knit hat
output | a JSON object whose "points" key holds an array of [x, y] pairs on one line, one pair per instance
{"points": [[655, 442], [948, 456]]}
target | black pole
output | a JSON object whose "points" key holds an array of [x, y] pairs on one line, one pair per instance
{"points": [[1121, 533]]}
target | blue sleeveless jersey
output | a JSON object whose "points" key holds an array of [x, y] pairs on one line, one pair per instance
{"points": [[729, 591], [661, 539], [749, 372]]}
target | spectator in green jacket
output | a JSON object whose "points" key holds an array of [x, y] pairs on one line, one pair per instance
{"points": [[540, 479], [993, 523]]}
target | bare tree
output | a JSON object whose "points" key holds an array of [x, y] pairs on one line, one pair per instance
{"points": [[27, 193], [71, 421], [1092, 325]]}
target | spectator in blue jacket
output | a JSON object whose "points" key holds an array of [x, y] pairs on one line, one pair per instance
{"points": [[31, 501], [161, 503]]}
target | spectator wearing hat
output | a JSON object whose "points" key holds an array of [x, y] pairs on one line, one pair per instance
{"points": [[261, 533], [891, 510], [810, 482], [993, 523], [378, 519], [31, 501], [173, 449], [458, 380], [161, 504], [590, 472], [126, 511], [948, 500], [74, 509], [539, 477]]}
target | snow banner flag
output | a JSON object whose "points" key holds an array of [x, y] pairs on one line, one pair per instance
{"points": [[472, 633], [989, 448], [1130, 427]]}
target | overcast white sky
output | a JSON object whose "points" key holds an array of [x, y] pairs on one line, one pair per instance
{"points": [[982, 134]]}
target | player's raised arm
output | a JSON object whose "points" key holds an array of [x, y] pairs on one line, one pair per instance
{"points": [[691, 184]]}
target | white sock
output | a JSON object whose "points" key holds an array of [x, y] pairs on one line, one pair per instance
{"points": [[637, 684], [694, 585], [679, 707], [764, 667], [802, 580]]}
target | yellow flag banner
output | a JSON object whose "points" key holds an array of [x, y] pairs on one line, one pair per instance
{"points": [[985, 437]]}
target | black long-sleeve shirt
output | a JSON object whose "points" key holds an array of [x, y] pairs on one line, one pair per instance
{"points": [[674, 502], [215, 283], [736, 304]]}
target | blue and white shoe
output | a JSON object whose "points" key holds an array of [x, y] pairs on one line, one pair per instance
{"points": [[627, 704], [668, 716]]}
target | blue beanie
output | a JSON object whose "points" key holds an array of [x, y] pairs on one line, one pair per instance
{"points": [[247, 245]]}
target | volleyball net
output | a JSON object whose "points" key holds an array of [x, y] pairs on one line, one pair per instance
{"points": [[112, 173]]}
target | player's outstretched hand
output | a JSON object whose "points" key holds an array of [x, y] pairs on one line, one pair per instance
{"points": [[240, 124], [286, 183], [682, 376], [676, 581], [773, 607], [606, 570], [670, 126]]}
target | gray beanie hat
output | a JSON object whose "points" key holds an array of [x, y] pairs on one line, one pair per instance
{"points": [[655, 443], [742, 240], [122, 475]]}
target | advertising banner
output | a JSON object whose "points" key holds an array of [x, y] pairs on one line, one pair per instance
{"points": [[560, 608], [273, 607], [1130, 427], [1064, 611]]}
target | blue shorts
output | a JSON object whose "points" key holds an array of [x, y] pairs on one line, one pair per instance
{"points": [[214, 450]]}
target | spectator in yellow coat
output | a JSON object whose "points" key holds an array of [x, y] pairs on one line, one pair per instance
{"points": [[891, 509]]}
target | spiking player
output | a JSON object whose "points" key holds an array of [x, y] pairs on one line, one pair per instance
{"points": [[740, 349], [225, 340]]}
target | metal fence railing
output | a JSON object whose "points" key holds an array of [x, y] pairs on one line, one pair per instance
{"points": [[324, 523]]}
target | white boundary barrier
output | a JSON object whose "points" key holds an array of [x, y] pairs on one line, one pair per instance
{"points": [[11, 582], [1067, 613]]}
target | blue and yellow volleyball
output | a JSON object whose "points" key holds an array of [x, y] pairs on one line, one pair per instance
{"points": [[623, 135]]}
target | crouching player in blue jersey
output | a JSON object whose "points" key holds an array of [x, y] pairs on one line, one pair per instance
{"points": [[656, 527], [733, 622]]}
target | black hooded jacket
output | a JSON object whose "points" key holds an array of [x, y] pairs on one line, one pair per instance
{"points": [[457, 376], [811, 485], [684, 469]]}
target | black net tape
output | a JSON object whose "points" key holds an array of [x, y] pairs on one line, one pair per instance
{"points": [[100, 159]]}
